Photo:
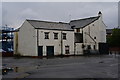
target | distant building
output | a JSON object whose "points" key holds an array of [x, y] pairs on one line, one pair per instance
{"points": [[43, 38], [7, 39], [109, 32]]}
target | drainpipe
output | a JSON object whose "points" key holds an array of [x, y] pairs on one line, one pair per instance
{"points": [[61, 44], [74, 44], [83, 41], [37, 41]]}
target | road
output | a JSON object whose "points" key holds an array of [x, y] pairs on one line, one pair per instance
{"points": [[69, 67]]}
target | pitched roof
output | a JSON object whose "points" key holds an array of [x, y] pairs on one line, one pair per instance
{"points": [[81, 23], [49, 25]]}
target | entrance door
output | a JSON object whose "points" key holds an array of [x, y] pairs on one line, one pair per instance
{"points": [[40, 50], [50, 50], [103, 48]]}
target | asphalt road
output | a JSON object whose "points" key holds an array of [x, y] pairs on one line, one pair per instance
{"points": [[69, 67]]}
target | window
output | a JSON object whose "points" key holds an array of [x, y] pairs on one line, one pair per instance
{"points": [[67, 50], [94, 46], [46, 35], [88, 47], [64, 36], [77, 30], [94, 37], [55, 35]]}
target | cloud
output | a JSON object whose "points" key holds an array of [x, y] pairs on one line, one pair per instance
{"points": [[28, 12], [15, 13], [61, 0]]}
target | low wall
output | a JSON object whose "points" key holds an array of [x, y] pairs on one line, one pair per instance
{"points": [[7, 54], [114, 50]]}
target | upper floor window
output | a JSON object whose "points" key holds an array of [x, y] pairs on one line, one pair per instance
{"points": [[64, 36], [46, 35], [77, 30], [94, 37], [55, 35]]}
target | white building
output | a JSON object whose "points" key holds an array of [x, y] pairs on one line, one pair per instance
{"points": [[43, 38], [89, 33]]}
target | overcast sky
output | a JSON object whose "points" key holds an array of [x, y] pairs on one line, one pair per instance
{"points": [[15, 13]]}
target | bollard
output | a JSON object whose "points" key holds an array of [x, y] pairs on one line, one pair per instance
{"points": [[16, 69]]}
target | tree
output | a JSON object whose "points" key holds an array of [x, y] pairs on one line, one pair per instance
{"points": [[114, 39]]}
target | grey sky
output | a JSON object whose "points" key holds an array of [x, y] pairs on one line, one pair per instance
{"points": [[14, 13]]}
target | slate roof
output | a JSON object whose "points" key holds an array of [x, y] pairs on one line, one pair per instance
{"points": [[81, 23], [49, 25]]}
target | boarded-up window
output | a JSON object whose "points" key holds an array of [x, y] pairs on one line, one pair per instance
{"points": [[78, 38]]}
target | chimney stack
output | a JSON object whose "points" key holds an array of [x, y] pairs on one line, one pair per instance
{"points": [[100, 14]]}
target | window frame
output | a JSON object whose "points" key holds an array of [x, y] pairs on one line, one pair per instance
{"points": [[64, 36], [46, 35], [78, 30], [55, 35]]}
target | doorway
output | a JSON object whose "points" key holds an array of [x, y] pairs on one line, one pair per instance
{"points": [[40, 50], [50, 50]]}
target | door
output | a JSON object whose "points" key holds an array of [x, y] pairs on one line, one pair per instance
{"points": [[40, 50], [103, 48], [50, 50]]}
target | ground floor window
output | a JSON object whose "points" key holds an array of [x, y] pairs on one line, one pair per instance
{"points": [[94, 46], [67, 50], [88, 47]]}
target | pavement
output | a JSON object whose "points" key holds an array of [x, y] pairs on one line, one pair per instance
{"points": [[104, 66]]}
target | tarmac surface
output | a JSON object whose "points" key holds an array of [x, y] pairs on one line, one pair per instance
{"points": [[104, 66]]}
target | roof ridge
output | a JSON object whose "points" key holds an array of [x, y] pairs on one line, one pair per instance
{"points": [[47, 21], [85, 18]]}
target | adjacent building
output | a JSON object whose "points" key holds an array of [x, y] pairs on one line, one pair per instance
{"points": [[45, 38]]}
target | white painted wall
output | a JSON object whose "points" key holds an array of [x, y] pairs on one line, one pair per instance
{"points": [[27, 40], [97, 30], [78, 49], [56, 42]]}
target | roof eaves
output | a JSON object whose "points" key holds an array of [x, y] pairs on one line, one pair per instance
{"points": [[56, 29], [47, 21]]}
